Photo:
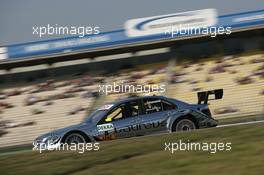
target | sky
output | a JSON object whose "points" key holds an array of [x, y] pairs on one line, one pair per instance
{"points": [[17, 17]]}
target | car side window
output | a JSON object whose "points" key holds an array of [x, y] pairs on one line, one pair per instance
{"points": [[152, 105], [133, 108], [168, 106]]}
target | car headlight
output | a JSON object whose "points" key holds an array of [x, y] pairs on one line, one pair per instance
{"points": [[51, 139]]}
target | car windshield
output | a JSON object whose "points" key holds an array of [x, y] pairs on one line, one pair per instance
{"points": [[98, 114], [95, 116]]}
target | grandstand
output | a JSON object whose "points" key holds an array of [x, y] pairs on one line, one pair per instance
{"points": [[51, 105], [43, 107], [240, 99], [188, 78]]}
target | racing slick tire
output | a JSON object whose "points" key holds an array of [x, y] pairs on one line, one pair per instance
{"points": [[183, 124], [75, 138]]}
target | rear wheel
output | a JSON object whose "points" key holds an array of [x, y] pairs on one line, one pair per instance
{"points": [[184, 124]]}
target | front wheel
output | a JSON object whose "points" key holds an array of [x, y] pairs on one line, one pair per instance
{"points": [[75, 138], [183, 125]]}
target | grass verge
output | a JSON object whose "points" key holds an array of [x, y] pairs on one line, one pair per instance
{"points": [[146, 155]]}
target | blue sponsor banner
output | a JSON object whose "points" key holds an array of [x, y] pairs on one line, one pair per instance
{"points": [[58, 46], [242, 20], [119, 37]]}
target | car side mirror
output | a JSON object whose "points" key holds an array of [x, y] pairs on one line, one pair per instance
{"points": [[108, 119]]}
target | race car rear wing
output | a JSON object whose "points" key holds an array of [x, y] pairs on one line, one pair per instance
{"points": [[203, 97]]}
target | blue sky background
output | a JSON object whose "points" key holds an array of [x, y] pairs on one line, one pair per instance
{"points": [[18, 16]]}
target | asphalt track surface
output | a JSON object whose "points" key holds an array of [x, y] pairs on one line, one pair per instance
{"points": [[220, 126]]}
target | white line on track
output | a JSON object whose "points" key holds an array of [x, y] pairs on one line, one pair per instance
{"points": [[241, 123]]}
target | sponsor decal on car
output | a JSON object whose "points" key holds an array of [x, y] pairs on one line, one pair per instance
{"points": [[105, 127], [139, 127]]}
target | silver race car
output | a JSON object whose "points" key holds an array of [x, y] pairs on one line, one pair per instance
{"points": [[137, 116]]}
